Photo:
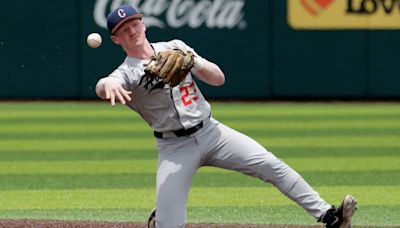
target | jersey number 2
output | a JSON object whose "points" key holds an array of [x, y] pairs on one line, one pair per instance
{"points": [[189, 94]]}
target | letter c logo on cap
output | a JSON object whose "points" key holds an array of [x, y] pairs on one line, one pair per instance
{"points": [[121, 13]]}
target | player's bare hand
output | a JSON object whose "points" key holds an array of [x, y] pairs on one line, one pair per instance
{"points": [[116, 91]]}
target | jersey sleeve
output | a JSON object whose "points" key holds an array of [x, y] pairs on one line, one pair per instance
{"points": [[124, 76], [183, 46]]}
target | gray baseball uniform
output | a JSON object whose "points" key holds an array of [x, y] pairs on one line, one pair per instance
{"points": [[188, 137]]}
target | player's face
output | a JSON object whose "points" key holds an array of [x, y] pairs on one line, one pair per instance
{"points": [[131, 34]]}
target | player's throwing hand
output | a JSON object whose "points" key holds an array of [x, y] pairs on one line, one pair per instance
{"points": [[109, 90]]}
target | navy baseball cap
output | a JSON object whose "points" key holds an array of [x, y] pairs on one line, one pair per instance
{"points": [[119, 15]]}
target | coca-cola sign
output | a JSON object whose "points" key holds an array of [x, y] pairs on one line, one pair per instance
{"points": [[228, 14]]}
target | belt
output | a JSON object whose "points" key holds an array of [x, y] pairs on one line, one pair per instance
{"points": [[181, 132]]}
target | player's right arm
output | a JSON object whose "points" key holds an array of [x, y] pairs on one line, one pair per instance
{"points": [[110, 88]]}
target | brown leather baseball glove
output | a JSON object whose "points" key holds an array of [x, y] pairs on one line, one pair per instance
{"points": [[171, 66]]}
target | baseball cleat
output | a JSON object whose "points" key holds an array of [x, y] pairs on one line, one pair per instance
{"points": [[340, 217], [151, 222]]}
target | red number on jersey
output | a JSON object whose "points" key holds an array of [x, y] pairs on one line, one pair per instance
{"points": [[189, 94]]}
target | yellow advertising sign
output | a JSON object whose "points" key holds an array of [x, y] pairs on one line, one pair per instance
{"points": [[344, 14]]}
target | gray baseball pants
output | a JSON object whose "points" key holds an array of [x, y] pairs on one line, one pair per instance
{"points": [[220, 146]]}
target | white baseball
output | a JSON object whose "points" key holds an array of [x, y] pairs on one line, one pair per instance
{"points": [[94, 40]]}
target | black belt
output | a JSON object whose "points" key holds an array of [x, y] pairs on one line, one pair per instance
{"points": [[181, 132]]}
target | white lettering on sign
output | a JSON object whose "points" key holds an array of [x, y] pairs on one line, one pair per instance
{"points": [[178, 13]]}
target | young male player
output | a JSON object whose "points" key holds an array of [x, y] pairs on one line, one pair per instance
{"points": [[187, 135]]}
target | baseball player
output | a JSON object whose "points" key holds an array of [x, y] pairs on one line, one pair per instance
{"points": [[186, 133]]}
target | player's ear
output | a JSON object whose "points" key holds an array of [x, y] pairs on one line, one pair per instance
{"points": [[143, 24], [115, 39]]}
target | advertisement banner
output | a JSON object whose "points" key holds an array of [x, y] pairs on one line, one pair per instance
{"points": [[344, 14], [179, 13], [231, 33]]}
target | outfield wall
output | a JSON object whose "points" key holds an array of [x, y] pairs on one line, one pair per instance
{"points": [[264, 51]]}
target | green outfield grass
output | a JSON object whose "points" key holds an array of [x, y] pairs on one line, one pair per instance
{"points": [[91, 161]]}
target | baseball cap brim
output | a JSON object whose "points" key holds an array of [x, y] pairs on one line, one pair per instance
{"points": [[136, 16]]}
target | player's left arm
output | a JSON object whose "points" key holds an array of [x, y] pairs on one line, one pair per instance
{"points": [[208, 72]]}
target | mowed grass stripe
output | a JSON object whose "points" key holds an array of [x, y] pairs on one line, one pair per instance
{"points": [[80, 154], [272, 125], [58, 128], [56, 107], [76, 127], [75, 112], [74, 115], [147, 133], [151, 153], [383, 163], [256, 126], [100, 109], [105, 153], [77, 167], [331, 114], [68, 120], [201, 179], [291, 152], [242, 123], [297, 108], [147, 143], [103, 214], [76, 144], [127, 135], [384, 215], [199, 197], [282, 109]]}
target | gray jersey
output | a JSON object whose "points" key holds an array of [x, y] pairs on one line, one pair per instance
{"points": [[152, 98]]}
